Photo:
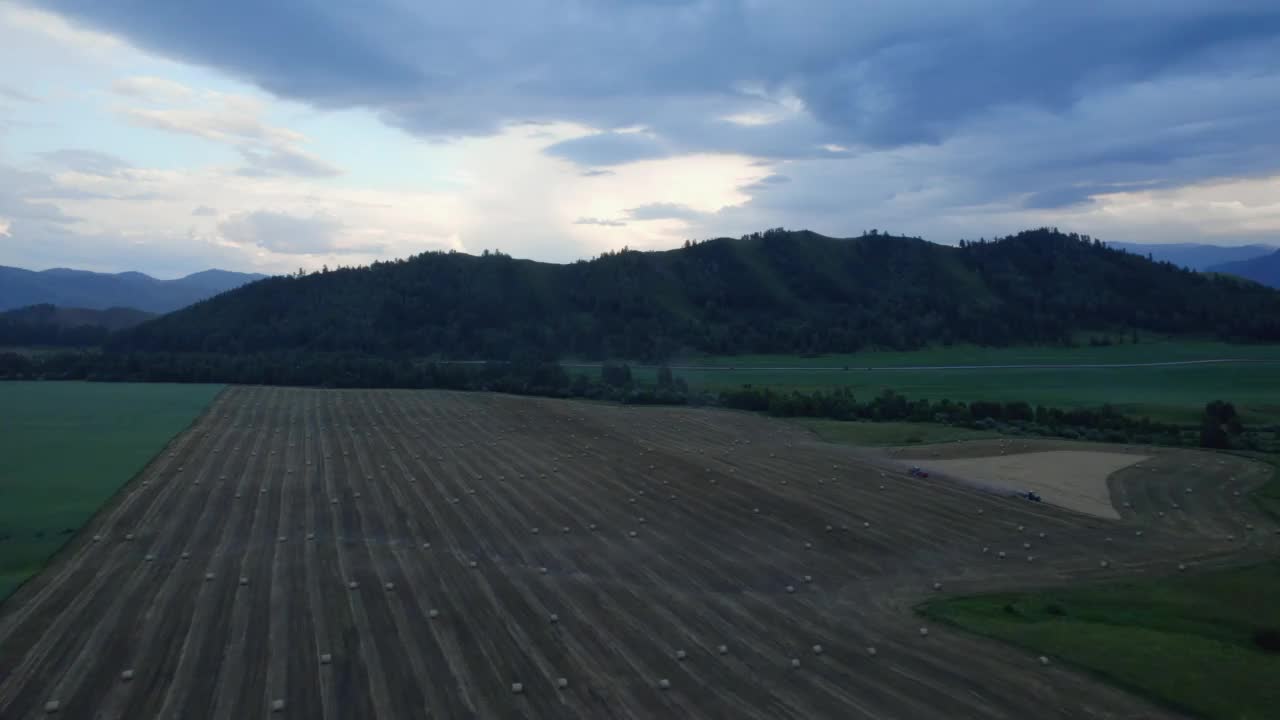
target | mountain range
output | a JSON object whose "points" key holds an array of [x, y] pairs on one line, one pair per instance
{"points": [[1265, 269], [773, 292], [100, 291], [1196, 256]]}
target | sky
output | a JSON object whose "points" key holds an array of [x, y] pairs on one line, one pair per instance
{"points": [[270, 136]]}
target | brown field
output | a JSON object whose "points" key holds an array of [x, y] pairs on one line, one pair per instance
{"points": [[1073, 479], [303, 492]]}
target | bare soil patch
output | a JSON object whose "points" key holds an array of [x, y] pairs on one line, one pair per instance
{"points": [[1073, 479]]}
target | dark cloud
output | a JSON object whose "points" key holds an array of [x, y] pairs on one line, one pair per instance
{"points": [[91, 162], [664, 211], [283, 233], [599, 221], [1058, 198], [284, 161], [13, 93], [954, 103], [609, 148]]}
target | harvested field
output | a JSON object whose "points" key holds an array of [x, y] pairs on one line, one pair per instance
{"points": [[397, 554]]}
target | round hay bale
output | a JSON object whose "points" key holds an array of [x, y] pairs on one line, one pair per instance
{"points": [[542, 570], [553, 618], [128, 536], [937, 586], [1044, 660], [244, 580], [664, 684], [790, 588], [126, 675], [389, 586], [924, 632], [185, 555], [722, 649], [817, 649], [681, 655], [795, 663], [326, 658], [353, 585], [807, 578], [562, 683], [52, 706], [871, 651], [208, 577], [433, 613], [277, 705]]}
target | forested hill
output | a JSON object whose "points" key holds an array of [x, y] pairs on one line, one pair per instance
{"points": [[780, 291]]}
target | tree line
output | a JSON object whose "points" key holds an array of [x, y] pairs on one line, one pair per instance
{"points": [[1220, 427]]}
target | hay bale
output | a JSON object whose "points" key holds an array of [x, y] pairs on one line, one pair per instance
{"points": [[244, 580], [807, 578], [277, 705], [1104, 564], [353, 585], [208, 577], [326, 658], [924, 632], [937, 586], [562, 683], [791, 588], [681, 655], [871, 651], [389, 586], [722, 649], [517, 688], [433, 613], [795, 663], [817, 649], [126, 675], [1044, 660], [664, 684], [96, 538], [128, 536], [52, 706], [553, 618]]}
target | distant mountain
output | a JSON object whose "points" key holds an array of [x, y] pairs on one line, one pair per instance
{"points": [[44, 325], [1265, 269], [1195, 256], [772, 292], [99, 291]]}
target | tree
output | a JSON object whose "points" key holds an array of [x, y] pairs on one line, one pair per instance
{"points": [[1219, 424], [664, 377]]}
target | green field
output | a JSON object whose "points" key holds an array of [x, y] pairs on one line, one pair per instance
{"points": [[67, 447], [890, 433], [1175, 394], [1188, 641]]}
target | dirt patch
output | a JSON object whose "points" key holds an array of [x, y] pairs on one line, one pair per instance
{"points": [[1073, 479]]}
